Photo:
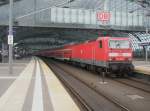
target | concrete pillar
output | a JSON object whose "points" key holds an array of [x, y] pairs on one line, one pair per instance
{"points": [[146, 53]]}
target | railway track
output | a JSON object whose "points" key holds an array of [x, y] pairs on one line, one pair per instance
{"points": [[139, 81], [134, 83], [83, 103], [131, 82], [88, 103]]}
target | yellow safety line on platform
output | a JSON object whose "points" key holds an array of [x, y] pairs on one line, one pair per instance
{"points": [[13, 99], [60, 98], [142, 66], [145, 70]]}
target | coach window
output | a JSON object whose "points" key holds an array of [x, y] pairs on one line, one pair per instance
{"points": [[100, 44]]}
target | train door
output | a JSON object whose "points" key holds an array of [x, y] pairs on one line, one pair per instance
{"points": [[93, 55]]}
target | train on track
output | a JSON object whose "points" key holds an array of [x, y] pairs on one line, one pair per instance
{"points": [[112, 55]]}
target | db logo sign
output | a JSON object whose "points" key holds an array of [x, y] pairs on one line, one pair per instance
{"points": [[103, 16]]}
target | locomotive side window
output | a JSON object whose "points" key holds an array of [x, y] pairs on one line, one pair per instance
{"points": [[100, 44]]}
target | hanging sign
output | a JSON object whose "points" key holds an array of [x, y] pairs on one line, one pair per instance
{"points": [[103, 16], [10, 39]]}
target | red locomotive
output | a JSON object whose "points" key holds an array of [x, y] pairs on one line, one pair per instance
{"points": [[108, 54]]}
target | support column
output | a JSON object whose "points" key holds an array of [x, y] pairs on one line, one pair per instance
{"points": [[127, 14], [146, 53], [106, 2], [35, 7], [10, 36]]}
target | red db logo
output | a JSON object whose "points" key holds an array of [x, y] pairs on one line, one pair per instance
{"points": [[103, 16]]}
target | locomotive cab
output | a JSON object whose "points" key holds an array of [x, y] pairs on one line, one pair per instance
{"points": [[119, 50], [119, 54]]}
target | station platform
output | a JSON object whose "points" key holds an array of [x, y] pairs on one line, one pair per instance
{"points": [[142, 67], [33, 87]]}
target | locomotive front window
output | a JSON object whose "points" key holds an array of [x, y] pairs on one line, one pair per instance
{"points": [[119, 44]]}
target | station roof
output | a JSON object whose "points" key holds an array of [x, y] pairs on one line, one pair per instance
{"points": [[47, 37], [133, 5], [3, 2], [29, 36], [93, 4]]}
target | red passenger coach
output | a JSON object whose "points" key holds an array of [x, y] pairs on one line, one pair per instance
{"points": [[107, 54]]}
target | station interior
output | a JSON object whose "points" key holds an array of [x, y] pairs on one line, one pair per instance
{"points": [[41, 70]]}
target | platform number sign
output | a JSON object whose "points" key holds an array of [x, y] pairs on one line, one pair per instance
{"points": [[103, 16], [10, 39]]}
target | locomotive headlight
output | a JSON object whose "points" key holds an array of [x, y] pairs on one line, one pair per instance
{"points": [[112, 59]]}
